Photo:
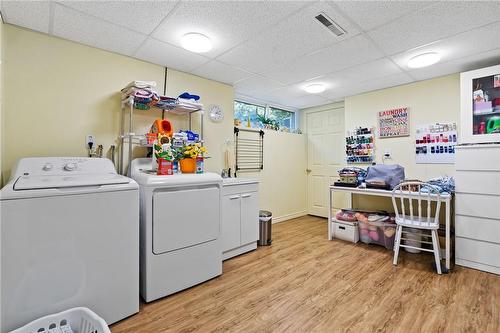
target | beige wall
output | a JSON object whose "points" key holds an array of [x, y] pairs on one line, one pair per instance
{"points": [[430, 101], [59, 91], [283, 180]]}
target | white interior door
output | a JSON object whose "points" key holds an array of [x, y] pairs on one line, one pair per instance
{"points": [[325, 156]]}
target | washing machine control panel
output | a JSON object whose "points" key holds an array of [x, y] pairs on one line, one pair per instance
{"points": [[70, 166], [53, 166]]}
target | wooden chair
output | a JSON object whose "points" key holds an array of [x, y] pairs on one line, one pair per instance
{"points": [[413, 192]]}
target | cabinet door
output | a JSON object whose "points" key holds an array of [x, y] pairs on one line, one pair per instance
{"points": [[230, 233], [249, 217]]}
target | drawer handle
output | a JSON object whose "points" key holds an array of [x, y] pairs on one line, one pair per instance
{"points": [[246, 195], [341, 227], [234, 197]]}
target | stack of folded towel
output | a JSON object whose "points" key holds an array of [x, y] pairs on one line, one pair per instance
{"points": [[143, 92]]}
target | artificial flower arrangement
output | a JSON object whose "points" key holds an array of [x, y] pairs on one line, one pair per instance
{"points": [[191, 157], [164, 155]]}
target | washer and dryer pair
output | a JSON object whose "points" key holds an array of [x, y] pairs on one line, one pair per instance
{"points": [[70, 237]]}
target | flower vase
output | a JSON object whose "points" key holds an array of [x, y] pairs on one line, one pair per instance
{"points": [[188, 165]]}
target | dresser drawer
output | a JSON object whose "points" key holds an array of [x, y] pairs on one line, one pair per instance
{"points": [[477, 251], [239, 188], [484, 182], [478, 205], [477, 228], [478, 158]]}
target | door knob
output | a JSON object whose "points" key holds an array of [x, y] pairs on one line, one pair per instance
{"points": [[308, 170]]}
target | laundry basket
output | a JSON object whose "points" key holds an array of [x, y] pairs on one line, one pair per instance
{"points": [[79, 320]]}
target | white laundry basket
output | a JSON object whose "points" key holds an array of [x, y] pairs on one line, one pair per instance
{"points": [[81, 320]]}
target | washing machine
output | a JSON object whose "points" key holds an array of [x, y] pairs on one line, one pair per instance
{"points": [[69, 237], [180, 218]]}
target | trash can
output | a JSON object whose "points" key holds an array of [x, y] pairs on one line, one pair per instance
{"points": [[265, 227]]}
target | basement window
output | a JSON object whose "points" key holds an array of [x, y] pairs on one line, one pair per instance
{"points": [[260, 115]]}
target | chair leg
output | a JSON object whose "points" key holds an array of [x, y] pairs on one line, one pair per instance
{"points": [[436, 248], [397, 242]]}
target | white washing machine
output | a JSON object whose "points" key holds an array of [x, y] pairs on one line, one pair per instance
{"points": [[180, 219], [70, 237]]}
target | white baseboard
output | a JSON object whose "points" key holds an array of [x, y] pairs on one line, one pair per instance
{"points": [[288, 216]]}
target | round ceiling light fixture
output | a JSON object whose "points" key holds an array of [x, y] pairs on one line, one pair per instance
{"points": [[196, 42], [315, 88], [424, 60]]}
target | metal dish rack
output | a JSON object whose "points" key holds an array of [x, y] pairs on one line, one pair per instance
{"points": [[249, 151], [132, 138]]}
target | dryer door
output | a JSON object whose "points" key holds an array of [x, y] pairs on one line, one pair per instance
{"points": [[185, 217]]}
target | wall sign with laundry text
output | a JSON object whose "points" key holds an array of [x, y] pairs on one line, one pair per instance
{"points": [[394, 122], [435, 143]]}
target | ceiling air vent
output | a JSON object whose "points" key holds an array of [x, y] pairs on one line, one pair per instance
{"points": [[330, 24]]}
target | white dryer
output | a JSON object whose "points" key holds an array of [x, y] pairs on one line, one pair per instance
{"points": [[180, 218], [70, 237]]}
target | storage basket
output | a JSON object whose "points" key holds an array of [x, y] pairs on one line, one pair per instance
{"points": [[380, 233], [81, 320]]}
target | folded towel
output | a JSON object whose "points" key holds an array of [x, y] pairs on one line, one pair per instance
{"points": [[140, 84]]}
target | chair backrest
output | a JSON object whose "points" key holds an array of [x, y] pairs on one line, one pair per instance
{"points": [[416, 191]]}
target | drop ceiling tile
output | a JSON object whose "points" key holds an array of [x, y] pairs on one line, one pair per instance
{"points": [[433, 23], [227, 23], [89, 30], [218, 71], [367, 71], [257, 86], [170, 56], [293, 37], [367, 85], [468, 63], [462, 45], [33, 15], [306, 101], [347, 53], [370, 14], [139, 16]]}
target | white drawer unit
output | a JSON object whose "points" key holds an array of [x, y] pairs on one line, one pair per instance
{"points": [[240, 216], [477, 206]]}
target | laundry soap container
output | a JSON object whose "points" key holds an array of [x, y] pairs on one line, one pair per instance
{"points": [[265, 227]]}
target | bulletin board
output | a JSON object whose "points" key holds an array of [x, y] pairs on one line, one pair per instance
{"points": [[435, 143], [394, 123]]}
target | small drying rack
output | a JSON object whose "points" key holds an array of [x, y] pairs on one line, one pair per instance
{"points": [[178, 107], [249, 151]]}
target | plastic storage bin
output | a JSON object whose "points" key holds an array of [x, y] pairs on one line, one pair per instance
{"points": [[79, 320], [381, 233]]}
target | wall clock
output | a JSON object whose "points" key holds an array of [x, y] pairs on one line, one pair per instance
{"points": [[216, 113]]}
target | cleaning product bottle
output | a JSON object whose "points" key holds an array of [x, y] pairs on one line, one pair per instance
{"points": [[199, 164]]}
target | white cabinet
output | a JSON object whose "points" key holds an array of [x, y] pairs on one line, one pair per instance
{"points": [[249, 217], [240, 217], [477, 219], [231, 210]]}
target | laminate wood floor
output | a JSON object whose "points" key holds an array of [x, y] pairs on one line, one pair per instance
{"points": [[305, 283]]}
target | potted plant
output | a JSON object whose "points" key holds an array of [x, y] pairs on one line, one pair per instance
{"points": [[267, 122], [188, 154]]}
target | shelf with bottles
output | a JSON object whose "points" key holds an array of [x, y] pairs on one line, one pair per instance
{"points": [[360, 146], [486, 104], [141, 95]]}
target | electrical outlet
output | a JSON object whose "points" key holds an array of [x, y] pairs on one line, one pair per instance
{"points": [[89, 139], [387, 154]]}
